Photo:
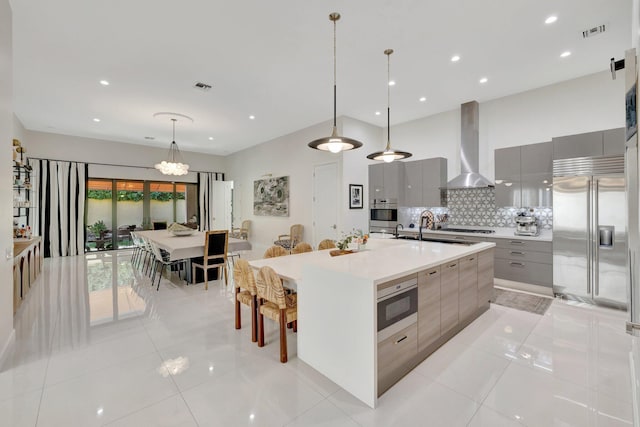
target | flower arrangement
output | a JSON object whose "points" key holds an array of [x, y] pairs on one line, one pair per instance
{"points": [[355, 236]]}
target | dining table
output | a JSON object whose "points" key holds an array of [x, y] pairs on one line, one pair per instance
{"points": [[190, 246]]}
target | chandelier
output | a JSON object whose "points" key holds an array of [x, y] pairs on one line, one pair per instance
{"points": [[173, 165]]}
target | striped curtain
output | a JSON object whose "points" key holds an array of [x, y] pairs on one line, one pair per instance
{"points": [[206, 190], [60, 189]]}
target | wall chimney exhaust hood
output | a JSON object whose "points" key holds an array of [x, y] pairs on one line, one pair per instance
{"points": [[469, 150]]}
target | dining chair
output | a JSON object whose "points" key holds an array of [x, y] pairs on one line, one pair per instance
{"points": [[245, 293], [162, 260], [159, 225], [242, 232], [326, 244], [275, 251], [215, 256], [289, 241], [301, 248], [277, 305]]}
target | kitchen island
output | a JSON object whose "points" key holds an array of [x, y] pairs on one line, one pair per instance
{"points": [[339, 314]]}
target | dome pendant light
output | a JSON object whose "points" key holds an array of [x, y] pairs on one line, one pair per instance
{"points": [[335, 143], [389, 154], [173, 165]]}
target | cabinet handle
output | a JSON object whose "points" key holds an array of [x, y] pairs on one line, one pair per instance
{"points": [[516, 242], [516, 253], [401, 339], [517, 264], [452, 265], [431, 273], [471, 259], [459, 238]]}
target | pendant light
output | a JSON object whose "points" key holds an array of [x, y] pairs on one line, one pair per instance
{"points": [[335, 143], [173, 165], [389, 154]]}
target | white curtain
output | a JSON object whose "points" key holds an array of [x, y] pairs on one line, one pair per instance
{"points": [[207, 198], [60, 189]]}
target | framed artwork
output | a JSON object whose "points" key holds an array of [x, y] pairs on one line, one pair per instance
{"points": [[271, 196], [355, 196]]}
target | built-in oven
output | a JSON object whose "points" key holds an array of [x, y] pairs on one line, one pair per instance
{"points": [[397, 306], [383, 216]]}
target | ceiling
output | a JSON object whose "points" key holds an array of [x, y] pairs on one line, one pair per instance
{"points": [[273, 59]]}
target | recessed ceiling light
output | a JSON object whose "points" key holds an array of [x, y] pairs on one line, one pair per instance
{"points": [[97, 120], [423, 99], [551, 19], [392, 83], [484, 80], [104, 82], [565, 54], [150, 138], [377, 113], [455, 58], [252, 117], [210, 138]]}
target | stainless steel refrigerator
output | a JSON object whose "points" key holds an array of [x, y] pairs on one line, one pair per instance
{"points": [[589, 230]]}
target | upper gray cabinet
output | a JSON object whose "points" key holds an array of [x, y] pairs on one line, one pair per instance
{"points": [[424, 181], [384, 181], [524, 175], [602, 143]]}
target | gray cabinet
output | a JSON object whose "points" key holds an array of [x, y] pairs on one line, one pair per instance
{"points": [[449, 291], [423, 182], [434, 179], [468, 286], [485, 277], [524, 261], [592, 144], [396, 357], [613, 142], [524, 175], [384, 181], [428, 307]]}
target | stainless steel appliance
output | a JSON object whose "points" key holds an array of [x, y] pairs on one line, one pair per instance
{"points": [[590, 230], [383, 216], [397, 307], [527, 224]]}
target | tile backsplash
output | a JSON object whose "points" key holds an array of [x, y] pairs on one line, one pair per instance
{"points": [[475, 207]]}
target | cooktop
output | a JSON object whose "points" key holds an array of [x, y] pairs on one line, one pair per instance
{"points": [[467, 230]]}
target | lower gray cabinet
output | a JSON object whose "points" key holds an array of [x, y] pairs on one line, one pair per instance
{"points": [[428, 307], [449, 292], [524, 261], [485, 276], [396, 356], [468, 286]]}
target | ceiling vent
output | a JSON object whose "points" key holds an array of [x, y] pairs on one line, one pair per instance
{"points": [[594, 31], [202, 86]]}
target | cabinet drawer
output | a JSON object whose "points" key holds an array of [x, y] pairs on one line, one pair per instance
{"points": [[428, 307], [396, 357], [524, 271], [524, 255], [449, 304], [468, 286], [530, 245]]}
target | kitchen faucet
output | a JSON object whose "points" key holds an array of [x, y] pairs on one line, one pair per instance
{"points": [[422, 217], [398, 225]]}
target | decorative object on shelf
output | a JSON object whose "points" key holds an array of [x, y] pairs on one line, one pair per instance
{"points": [[355, 196], [335, 143], [173, 165], [389, 154], [271, 196]]}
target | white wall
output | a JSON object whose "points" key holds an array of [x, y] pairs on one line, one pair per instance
{"points": [[6, 170], [65, 147], [289, 156]]}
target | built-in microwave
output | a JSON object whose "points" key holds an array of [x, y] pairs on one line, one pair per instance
{"points": [[397, 307]]}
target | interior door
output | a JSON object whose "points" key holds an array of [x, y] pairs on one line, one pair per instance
{"points": [[571, 269], [611, 241], [325, 202], [221, 205]]}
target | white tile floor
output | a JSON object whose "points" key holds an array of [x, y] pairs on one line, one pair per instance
{"points": [[96, 345]]}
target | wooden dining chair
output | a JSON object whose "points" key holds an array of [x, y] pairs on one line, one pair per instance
{"points": [[277, 305], [245, 284], [326, 244], [242, 232], [302, 247], [215, 256], [275, 251], [289, 241]]}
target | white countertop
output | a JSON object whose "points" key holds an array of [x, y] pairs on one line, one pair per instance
{"points": [[382, 260], [499, 233]]}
